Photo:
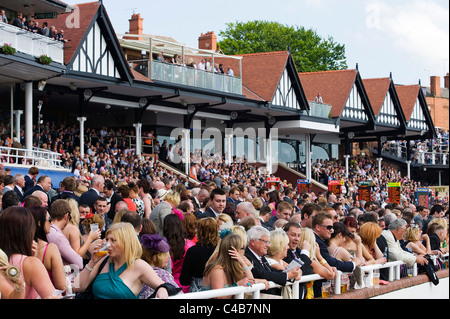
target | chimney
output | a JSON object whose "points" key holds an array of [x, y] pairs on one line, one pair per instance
{"points": [[446, 81], [136, 26], [207, 41], [435, 86]]}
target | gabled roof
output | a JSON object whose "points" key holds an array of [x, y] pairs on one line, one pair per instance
{"points": [[91, 20], [407, 95], [376, 91], [261, 72], [333, 86]]}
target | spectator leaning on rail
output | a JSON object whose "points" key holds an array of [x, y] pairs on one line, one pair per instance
{"points": [[395, 232]]}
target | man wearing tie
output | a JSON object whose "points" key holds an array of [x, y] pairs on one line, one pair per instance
{"points": [[259, 242]]}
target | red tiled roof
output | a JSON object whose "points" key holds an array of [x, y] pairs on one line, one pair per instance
{"points": [[334, 87], [407, 94], [376, 90], [261, 73], [74, 35]]}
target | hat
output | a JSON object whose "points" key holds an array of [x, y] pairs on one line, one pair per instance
{"points": [[80, 190], [155, 242], [162, 192]]}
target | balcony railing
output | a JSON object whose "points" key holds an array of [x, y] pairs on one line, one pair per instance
{"points": [[319, 109], [183, 75], [31, 43]]}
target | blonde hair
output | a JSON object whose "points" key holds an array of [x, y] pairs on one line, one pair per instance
{"points": [[4, 261], [412, 234], [439, 221], [74, 212], [125, 236], [278, 241], [173, 198], [308, 235]]}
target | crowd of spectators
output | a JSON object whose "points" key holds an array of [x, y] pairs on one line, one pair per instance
{"points": [[32, 25], [181, 225]]}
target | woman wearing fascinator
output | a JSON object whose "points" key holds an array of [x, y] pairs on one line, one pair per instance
{"points": [[155, 251]]}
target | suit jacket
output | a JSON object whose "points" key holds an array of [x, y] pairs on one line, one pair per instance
{"points": [[306, 268], [28, 183], [19, 192], [264, 271], [435, 242], [395, 250], [88, 198], [382, 244], [64, 195], [344, 266], [208, 213]]}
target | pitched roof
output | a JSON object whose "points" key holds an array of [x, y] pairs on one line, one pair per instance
{"points": [[261, 72], [334, 87], [376, 90], [81, 22], [407, 94]]}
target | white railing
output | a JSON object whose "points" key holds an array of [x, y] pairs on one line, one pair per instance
{"points": [[255, 290], [31, 43], [319, 109], [35, 157]]}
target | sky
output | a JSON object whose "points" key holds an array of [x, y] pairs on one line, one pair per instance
{"points": [[408, 38]]}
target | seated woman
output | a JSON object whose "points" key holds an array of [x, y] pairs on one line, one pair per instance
{"points": [[318, 263], [155, 251], [337, 243], [228, 269], [124, 275], [369, 232], [414, 238]]}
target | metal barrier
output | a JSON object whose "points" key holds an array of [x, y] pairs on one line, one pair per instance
{"points": [[255, 290], [35, 157]]}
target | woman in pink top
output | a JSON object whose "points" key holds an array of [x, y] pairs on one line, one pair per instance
{"points": [[179, 244], [17, 229]]}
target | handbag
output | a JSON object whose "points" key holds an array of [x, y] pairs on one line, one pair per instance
{"points": [[171, 290], [88, 293], [430, 271]]}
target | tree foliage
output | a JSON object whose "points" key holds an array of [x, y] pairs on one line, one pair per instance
{"points": [[309, 50]]}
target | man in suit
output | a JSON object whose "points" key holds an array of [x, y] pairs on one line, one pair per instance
{"points": [[44, 183], [438, 234], [30, 178], [198, 197], [100, 208], [259, 242], [233, 197], [112, 197], [293, 231], [218, 202], [8, 181], [89, 197], [19, 184], [322, 225], [67, 189], [284, 211]]}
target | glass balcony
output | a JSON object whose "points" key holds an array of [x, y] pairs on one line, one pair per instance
{"points": [[183, 75], [319, 109], [31, 43]]}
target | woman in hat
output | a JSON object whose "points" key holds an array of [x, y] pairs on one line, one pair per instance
{"points": [[155, 251]]}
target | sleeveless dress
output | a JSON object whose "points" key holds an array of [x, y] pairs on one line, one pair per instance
{"points": [[17, 260], [43, 258], [110, 286]]}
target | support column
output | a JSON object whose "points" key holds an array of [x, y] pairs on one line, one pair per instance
{"points": [[138, 127], [16, 123], [229, 143], [379, 159], [346, 165], [269, 153], [186, 138], [29, 116], [81, 119], [308, 154], [408, 169]]}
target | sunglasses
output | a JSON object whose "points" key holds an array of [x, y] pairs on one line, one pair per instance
{"points": [[328, 227]]}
